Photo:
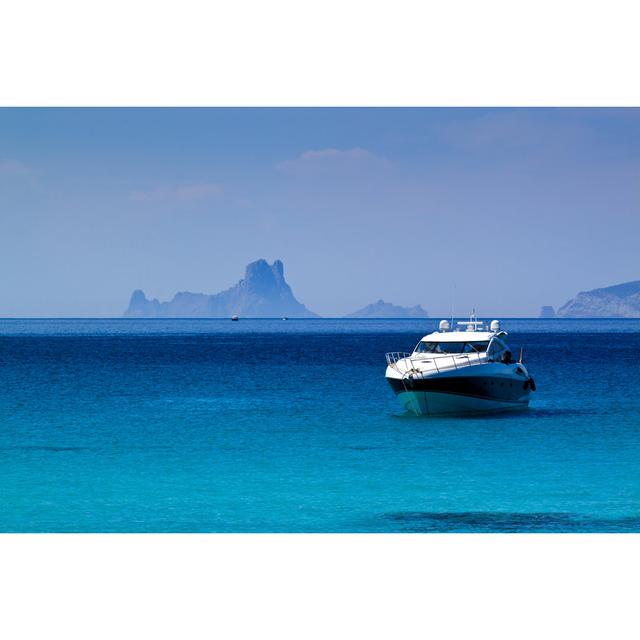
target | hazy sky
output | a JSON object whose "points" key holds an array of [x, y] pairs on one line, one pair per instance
{"points": [[515, 208]]}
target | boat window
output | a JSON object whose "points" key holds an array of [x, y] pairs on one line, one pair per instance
{"points": [[439, 347], [444, 347], [451, 347], [475, 347]]}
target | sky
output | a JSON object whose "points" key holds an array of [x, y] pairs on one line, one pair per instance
{"points": [[502, 210]]}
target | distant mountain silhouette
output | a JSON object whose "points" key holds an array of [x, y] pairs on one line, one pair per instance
{"points": [[547, 312], [382, 309], [262, 293], [618, 301]]}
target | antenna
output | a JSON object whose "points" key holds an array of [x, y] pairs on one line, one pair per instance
{"points": [[453, 293]]}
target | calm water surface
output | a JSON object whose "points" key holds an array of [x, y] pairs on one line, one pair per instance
{"points": [[265, 425]]}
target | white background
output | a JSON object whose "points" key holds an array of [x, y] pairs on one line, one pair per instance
{"points": [[319, 586], [330, 53], [335, 52]]}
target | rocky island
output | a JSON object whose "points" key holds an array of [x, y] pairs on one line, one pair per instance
{"points": [[382, 309], [262, 293], [618, 301]]}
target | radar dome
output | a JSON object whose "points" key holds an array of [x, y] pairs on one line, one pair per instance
{"points": [[495, 325], [444, 325]]}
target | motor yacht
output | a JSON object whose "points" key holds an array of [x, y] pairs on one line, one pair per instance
{"points": [[467, 369]]}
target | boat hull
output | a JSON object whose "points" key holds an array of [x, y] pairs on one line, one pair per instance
{"points": [[435, 403], [495, 387]]}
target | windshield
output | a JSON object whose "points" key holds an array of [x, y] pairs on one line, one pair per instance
{"points": [[451, 347], [475, 347]]}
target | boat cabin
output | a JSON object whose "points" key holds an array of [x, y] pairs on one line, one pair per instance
{"points": [[470, 340]]}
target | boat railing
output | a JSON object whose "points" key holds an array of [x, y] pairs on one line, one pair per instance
{"points": [[440, 363], [471, 359], [393, 356]]}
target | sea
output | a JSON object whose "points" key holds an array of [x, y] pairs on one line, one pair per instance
{"points": [[123, 425]]}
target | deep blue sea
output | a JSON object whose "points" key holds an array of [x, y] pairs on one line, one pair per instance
{"points": [[274, 426]]}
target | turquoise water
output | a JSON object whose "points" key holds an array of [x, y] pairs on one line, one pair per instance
{"points": [[265, 425]]}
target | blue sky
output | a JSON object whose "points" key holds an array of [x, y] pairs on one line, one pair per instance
{"points": [[514, 208]]}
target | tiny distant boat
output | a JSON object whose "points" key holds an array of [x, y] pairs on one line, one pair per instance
{"points": [[285, 318], [465, 370], [234, 318]]}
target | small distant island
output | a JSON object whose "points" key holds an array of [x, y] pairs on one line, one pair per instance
{"points": [[547, 311], [617, 301], [382, 309], [262, 293]]}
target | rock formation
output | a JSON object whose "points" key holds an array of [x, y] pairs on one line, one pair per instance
{"points": [[383, 309], [262, 293], [618, 301]]}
